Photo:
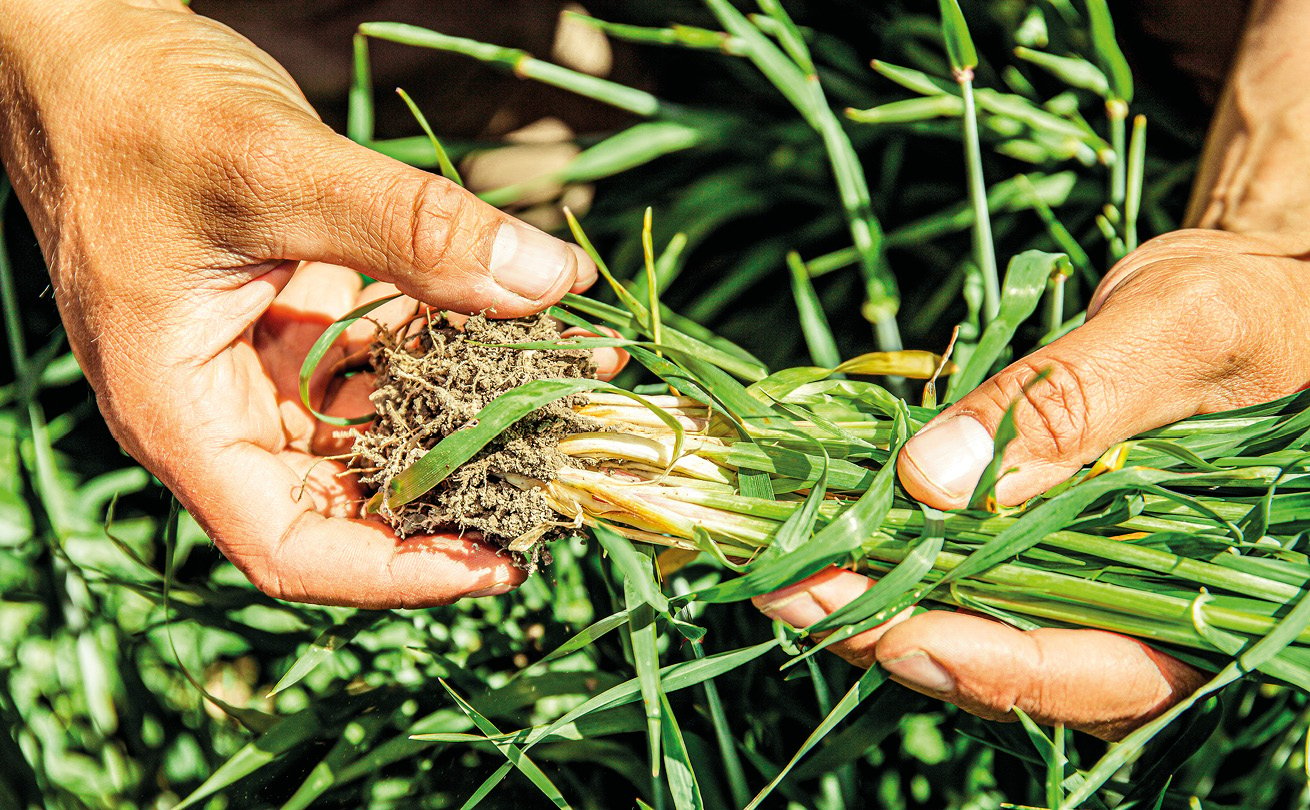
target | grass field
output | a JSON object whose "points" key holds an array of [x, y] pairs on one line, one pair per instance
{"points": [[138, 669]]}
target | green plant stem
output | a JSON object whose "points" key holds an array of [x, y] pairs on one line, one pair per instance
{"points": [[1117, 112], [359, 111], [1054, 317], [522, 63], [984, 251], [1136, 170]]}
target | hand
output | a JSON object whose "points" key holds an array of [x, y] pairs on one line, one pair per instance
{"points": [[1193, 322], [176, 179]]}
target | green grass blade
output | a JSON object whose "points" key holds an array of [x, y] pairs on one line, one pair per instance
{"points": [[955, 32], [984, 248], [789, 36], [672, 677], [287, 734], [865, 686], [723, 736], [681, 774], [359, 112], [652, 280], [326, 773], [814, 323], [1082, 786], [512, 752], [448, 169], [797, 529], [1052, 515], [983, 498], [1072, 70], [1136, 169], [805, 93], [321, 347], [684, 36], [646, 660], [1108, 53], [831, 545], [583, 638], [910, 110], [720, 352], [523, 64], [634, 569], [635, 146], [1051, 753], [489, 784], [324, 647], [639, 311], [902, 579], [1025, 281]]}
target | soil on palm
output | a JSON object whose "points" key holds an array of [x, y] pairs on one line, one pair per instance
{"points": [[430, 387]]}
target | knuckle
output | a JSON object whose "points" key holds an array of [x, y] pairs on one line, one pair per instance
{"points": [[433, 215], [1051, 400], [266, 580]]}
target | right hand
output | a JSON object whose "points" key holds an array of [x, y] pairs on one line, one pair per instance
{"points": [[177, 179], [1193, 322]]}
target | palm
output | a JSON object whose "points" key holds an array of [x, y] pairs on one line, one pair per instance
{"points": [[276, 502]]}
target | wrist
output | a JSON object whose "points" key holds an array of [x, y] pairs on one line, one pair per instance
{"points": [[1254, 176]]}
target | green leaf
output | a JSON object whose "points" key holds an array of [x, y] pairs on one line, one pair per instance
{"points": [[583, 638], [489, 784], [646, 660], [985, 490], [448, 169], [1082, 786], [718, 351], [814, 323], [955, 31], [833, 544], [323, 647], [683, 783], [320, 348], [672, 677], [1072, 70], [287, 734], [512, 752], [1108, 53], [359, 115], [635, 568], [523, 64], [1025, 280], [865, 686]]}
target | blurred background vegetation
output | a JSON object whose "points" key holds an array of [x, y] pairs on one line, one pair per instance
{"points": [[136, 665]]}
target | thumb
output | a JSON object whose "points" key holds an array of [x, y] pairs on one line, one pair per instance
{"points": [[348, 205], [1191, 327]]}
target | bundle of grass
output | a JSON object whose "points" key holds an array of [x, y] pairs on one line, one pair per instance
{"points": [[1186, 537]]}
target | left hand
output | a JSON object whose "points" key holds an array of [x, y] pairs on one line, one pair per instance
{"points": [[197, 218]]}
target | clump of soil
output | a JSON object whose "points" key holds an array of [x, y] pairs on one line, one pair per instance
{"points": [[429, 387]]}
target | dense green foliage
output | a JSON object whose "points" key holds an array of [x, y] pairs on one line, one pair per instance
{"points": [[119, 618]]}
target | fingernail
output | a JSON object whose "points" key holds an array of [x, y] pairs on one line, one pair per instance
{"points": [[918, 671], [528, 262], [798, 609], [952, 455], [494, 590]]}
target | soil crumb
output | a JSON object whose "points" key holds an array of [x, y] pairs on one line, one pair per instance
{"points": [[429, 387]]}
